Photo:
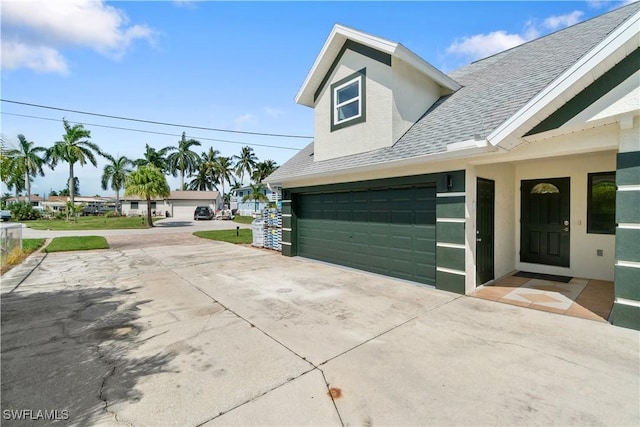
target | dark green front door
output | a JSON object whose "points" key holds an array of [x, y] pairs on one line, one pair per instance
{"points": [[544, 224], [485, 223], [387, 231]]}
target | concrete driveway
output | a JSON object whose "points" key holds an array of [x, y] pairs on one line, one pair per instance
{"points": [[207, 333]]}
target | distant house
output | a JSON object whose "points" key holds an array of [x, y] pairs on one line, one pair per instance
{"points": [[528, 160], [179, 204], [36, 201], [249, 207], [94, 205]]}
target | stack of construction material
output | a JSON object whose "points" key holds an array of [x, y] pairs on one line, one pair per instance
{"points": [[272, 220]]}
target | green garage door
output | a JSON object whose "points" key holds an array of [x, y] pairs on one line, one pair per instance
{"points": [[386, 231]]}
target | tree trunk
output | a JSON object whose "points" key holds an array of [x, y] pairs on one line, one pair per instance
{"points": [[149, 220], [27, 185], [118, 202], [181, 179], [222, 195], [72, 190]]}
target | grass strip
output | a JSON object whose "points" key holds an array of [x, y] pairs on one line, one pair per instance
{"points": [[89, 223], [245, 236], [77, 243], [243, 219]]}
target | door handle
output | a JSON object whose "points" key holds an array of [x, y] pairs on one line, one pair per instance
{"points": [[566, 229], [478, 239]]}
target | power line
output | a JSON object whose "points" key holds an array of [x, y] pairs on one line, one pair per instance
{"points": [[157, 133], [154, 122]]}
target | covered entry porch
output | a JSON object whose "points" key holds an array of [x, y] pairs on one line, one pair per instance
{"points": [[551, 216]]}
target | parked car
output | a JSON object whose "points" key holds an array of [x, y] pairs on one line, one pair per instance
{"points": [[202, 212], [5, 215]]}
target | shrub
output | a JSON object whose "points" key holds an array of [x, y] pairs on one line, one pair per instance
{"points": [[111, 214], [22, 211], [15, 256]]}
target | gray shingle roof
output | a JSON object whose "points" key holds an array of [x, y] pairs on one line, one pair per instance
{"points": [[493, 90]]}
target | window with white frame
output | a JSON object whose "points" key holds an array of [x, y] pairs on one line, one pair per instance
{"points": [[348, 101]]}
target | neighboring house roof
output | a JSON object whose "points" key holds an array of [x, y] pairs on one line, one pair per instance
{"points": [[182, 195], [32, 198], [80, 199], [493, 90]]}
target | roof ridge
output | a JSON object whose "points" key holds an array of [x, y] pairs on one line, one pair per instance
{"points": [[635, 4]]}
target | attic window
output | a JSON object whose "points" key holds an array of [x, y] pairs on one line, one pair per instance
{"points": [[348, 101]]}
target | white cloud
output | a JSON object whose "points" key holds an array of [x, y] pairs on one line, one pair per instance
{"points": [[37, 58], [44, 26], [561, 21], [471, 48], [273, 112], [483, 45], [242, 120]]}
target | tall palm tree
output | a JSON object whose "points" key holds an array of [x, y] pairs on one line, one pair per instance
{"points": [[148, 181], [116, 171], [28, 159], [201, 180], [183, 159], [246, 161], [75, 147], [224, 171], [263, 170], [154, 157], [256, 194]]}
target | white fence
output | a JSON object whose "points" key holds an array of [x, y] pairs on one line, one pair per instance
{"points": [[10, 238]]}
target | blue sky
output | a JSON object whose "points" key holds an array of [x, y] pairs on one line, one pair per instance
{"points": [[224, 65]]}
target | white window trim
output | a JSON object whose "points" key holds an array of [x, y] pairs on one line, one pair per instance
{"points": [[336, 105]]}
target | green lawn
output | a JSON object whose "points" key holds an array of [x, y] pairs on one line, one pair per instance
{"points": [[245, 237], [31, 245], [243, 219], [77, 243], [88, 223]]}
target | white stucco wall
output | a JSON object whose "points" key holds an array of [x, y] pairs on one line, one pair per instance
{"points": [[142, 208], [396, 97], [375, 132], [413, 94]]}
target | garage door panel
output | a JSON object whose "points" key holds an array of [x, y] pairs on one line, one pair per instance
{"points": [[386, 231]]}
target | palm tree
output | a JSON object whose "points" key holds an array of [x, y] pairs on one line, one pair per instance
{"points": [[183, 159], [148, 181], [116, 171], [263, 170], [28, 160], [207, 171], [10, 172], [224, 171], [246, 162], [256, 194], [75, 147], [154, 157], [201, 180]]}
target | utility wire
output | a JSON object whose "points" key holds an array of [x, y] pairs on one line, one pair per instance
{"points": [[154, 122], [157, 133]]}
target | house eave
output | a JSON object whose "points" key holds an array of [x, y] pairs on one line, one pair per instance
{"points": [[454, 151], [620, 43]]}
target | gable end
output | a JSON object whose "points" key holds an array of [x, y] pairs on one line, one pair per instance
{"points": [[369, 52], [596, 90]]}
